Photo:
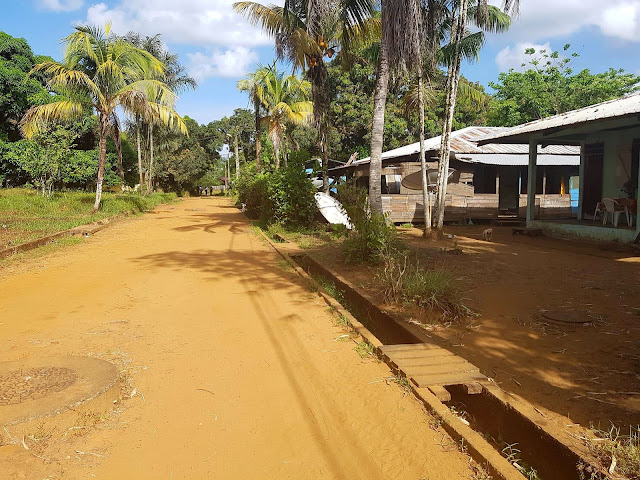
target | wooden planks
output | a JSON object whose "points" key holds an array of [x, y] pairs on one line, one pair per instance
{"points": [[429, 366]]}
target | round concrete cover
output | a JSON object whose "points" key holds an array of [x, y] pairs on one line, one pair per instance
{"points": [[45, 386]]}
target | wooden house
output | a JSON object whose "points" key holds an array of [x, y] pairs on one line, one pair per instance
{"points": [[489, 182], [608, 135]]}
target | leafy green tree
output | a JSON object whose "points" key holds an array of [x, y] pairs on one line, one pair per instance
{"points": [[550, 86], [44, 157], [103, 72], [18, 91]]}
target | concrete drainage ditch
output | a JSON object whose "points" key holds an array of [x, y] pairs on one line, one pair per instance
{"points": [[508, 425]]}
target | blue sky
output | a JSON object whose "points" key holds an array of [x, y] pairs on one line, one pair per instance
{"points": [[219, 47]]}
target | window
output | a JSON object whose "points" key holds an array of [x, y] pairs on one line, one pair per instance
{"points": [[391, 184]]}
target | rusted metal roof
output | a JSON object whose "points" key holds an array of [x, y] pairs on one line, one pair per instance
{"points": [[464, 146], [621, 107]]}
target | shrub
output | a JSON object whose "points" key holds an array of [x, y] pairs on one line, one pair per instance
{"points": [[284, 196], [372, 233]]}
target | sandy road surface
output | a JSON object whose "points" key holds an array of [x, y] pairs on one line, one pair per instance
{"points": [[240, 373]]}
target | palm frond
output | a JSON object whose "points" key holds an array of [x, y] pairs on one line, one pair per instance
{"points": [[41, 117]]}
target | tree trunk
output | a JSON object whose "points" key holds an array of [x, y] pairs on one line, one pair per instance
{"points": [[324, 152], [423, 161], [285, 143], [103, 158], [235, 152], [277, 155], [258, 138], [457, 34], [141, 187], [118, 141], [150, 172], [377, 131]]}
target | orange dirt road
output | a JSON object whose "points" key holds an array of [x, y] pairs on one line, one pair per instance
{"points": [[231, 368]]}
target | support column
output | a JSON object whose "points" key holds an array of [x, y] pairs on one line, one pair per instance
{"points": [[581, 179], [531, 181], [638, 209]]}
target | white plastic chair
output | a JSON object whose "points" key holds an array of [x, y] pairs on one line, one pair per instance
{"points": [[597, 212], [610, 209]]}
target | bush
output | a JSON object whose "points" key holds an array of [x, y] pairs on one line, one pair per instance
{"points": [[372, 233], [284, 196]]}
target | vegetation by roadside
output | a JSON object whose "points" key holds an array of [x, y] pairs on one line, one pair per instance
{"points": [[25, 215]]}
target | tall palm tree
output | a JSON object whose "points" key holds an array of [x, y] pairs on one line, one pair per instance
{"points": [[286, 101], [253, 84], [486, 18], [307, 31], [103, 72], [400, 47], [174, 75]]}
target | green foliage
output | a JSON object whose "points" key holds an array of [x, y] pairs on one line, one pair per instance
{"points": [[624, 448], [284, 196], [352, 110], [18, 91], [180, 161], [549, 86], [44, 157], [372, 234]]}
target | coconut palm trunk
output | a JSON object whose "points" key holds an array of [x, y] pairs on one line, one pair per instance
{"points": [[256, 106], [104, 130], [453, 77], [377, 131], [140, 174], [236, 153], [150, 172], [118, 141]]}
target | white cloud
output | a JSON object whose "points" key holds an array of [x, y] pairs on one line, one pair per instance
{"points": [[186, 22], [232, 62], [513, 57], [542, 19], [61, 5]]}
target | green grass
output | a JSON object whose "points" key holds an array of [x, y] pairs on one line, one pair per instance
{"points": [[624, 448], [26, 215]]}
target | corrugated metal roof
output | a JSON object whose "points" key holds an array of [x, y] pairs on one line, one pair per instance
{"points": [[519, 159], [463, 143], [602, 111]]}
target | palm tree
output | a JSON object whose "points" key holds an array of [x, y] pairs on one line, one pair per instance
{"points": [[399, 46], [253, 84], [176, 78], [286, 101], [307, 31], [102, 72], [463, 44]]}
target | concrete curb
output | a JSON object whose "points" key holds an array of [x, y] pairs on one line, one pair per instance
{"points": [[89, 229], [477, 447]]}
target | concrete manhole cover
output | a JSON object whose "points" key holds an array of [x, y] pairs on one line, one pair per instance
{"points": [[41, 387], [33, 383]]}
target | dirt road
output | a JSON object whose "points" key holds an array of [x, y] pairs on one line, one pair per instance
{"points": [[236, 369]]}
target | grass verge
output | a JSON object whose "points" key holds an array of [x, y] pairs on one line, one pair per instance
{"points": [[25, 215]]}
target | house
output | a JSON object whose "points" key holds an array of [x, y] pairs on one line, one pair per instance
{"points": [[489, 181], [609, 138]]}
